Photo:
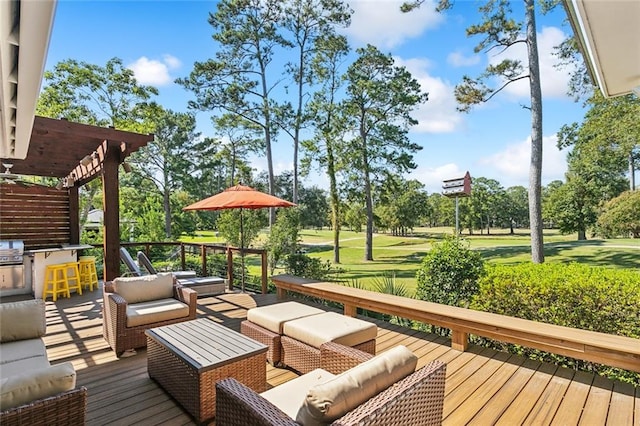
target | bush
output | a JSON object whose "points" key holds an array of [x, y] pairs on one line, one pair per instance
{"points": [[571, 295], [449, 273], [304, 266]]}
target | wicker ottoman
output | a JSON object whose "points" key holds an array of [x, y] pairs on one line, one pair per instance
{"points": [[302, 338], [264, 324]]}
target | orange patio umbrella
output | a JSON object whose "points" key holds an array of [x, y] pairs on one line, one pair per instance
{"points": [[239, 197]]}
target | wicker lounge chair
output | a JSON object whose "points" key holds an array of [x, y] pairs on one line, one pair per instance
{"points": [[118, 329], [416, 399]]}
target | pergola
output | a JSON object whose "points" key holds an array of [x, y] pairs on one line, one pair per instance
{"points": [[76, 154]]}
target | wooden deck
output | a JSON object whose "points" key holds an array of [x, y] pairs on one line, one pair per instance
{"points": [[483, 386]]}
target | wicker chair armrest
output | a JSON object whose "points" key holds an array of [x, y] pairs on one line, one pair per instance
{"points": [[236, 404], [416, 399], [188, 296], [337, 358], [66, 408], [108, 287]]}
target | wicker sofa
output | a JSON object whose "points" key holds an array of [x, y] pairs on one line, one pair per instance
{"points": [[33, 392], [132, 305], [384, 390]]}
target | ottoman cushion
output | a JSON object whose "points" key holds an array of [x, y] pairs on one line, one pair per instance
{"points": [[273, 317], [330, 327]]}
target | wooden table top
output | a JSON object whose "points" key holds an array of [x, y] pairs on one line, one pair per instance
{"points": [[204, 344]]}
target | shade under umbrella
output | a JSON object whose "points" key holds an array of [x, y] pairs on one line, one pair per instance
{"points": [[239, 197]]}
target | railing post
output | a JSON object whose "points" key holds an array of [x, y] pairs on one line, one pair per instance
{"points": [[182, 256], [459, 340], [350, 310], [230, 267], [203, 256], [264, 271]]}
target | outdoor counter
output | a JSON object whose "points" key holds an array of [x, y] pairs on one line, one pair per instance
{"points": [[49, 256]]}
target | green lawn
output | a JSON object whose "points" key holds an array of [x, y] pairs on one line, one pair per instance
{"points": [[401, 256]]}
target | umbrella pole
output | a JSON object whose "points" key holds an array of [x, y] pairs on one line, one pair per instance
{"points": [[242, 250]]}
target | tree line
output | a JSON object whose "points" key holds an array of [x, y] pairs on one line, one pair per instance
{"points": [[346, 112]]}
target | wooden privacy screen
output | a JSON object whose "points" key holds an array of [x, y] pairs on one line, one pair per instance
{"points": [[38, 215]]}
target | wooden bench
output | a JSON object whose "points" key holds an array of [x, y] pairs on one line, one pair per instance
{"points": [[602, 348]]}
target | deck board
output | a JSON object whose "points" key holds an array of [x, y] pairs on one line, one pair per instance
{"points": [[483, 386]]}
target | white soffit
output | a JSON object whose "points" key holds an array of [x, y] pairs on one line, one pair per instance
{"points": [[25, 29], [610, 34]]}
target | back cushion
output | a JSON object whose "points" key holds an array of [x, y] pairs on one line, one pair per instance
{"points": [[22, 320], [333, 399], [36, 384], [145, 288]]}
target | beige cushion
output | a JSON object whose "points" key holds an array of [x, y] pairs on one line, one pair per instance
{"points": [[32, 385], [22, 355], [333, 399], [289, 396], [155, 311], [22, 320], [143, 289], [330, 327], [273, 317]]}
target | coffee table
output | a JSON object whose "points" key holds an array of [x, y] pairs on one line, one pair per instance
{"points": [[188, 358]]}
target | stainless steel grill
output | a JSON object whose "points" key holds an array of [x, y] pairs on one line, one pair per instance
{"points": [[11, 252]]}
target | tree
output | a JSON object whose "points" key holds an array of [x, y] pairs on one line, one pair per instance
{"points": [[403, 205], [500, 31], [328, 122], [284, 236], [516, 209], [240, 137], [92, 94], [486, 202], [609, 133], [165, 161], [621, 216], [307, 21], [380, 98], [236, 81], [314, 207]]}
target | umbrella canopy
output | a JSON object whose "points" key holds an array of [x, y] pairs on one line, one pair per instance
{"points": [[239, 196]]}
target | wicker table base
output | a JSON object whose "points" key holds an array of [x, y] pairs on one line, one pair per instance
{"points": [[186, 360]]}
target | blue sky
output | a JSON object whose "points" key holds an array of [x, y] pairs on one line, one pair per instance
{"points": [[160, 41]]}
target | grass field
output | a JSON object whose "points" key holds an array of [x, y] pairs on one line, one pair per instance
{"points": [[401, 256]]}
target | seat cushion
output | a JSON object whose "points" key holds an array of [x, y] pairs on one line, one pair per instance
{"points": [[273, 317], [330, 327], [22, 355], [36, 384], [290, 396], [334, 398], [22, 320], [145, 288], [155, 311]]}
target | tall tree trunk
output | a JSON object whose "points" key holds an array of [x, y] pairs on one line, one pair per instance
{"points": [[368, 245], [267, 141], [535, 168], [632, 173], [335, 203], [296, 134], [166, 193]]}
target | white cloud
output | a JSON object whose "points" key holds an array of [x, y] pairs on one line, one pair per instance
{"points": [[511, 165], [381, 23], [554, 81], [457, 59], [432, 177], [438, 114], [153, 71]]}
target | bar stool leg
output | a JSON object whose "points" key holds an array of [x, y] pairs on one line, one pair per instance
{"points": [[75, 277]]}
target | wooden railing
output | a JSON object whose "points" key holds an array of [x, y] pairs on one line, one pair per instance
{"points": [[608, 349], [204, 249]]}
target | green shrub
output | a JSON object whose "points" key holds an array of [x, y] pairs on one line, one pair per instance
{"points": [[571, 295], [304, 266], [449, 273]]}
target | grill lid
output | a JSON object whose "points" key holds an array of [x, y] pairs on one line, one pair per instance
{"points": [[11, 248]]}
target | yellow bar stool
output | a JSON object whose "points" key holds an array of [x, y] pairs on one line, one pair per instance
{"points": [[56, 281], [88, 272], [73, 276]]}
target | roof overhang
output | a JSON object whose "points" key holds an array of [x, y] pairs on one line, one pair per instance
{"points": [[25, 30], [608, 33]]}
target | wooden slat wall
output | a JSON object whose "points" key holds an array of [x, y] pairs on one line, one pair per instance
{"points": [[38, 215]]}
